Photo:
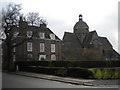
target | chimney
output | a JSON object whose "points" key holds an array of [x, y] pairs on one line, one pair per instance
{"points": [[43, 25]]}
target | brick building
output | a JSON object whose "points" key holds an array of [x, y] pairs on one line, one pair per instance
{"points": [[40, 43]]}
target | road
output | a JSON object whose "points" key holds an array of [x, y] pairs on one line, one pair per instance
{"points": [[16, 81]]}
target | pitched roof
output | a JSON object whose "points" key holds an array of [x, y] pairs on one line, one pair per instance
{"points": [[35, 31], [105, 43], [86, 42], [71, 37]]}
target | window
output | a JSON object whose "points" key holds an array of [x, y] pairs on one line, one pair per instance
{"points": [[52, 36], [52, 47], [29, 34], [29, 46], [42, 35], [53, 57], [14, 58], [15, 34], [42, 47], [29, 57], [42, 57], [14, 49]]}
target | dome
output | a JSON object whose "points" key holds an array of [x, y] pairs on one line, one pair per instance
{"points": [[80, 23]]}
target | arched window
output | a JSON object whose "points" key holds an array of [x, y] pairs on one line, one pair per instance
{"points": [[53, 57]]}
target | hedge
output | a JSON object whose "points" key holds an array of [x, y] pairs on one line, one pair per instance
{"points": [[84, 64], [77, 69], [59, 71]]}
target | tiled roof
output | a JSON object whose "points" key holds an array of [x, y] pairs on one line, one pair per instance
{"points": [[105, 43], [71, 37], [86, 42], [35, 30]]}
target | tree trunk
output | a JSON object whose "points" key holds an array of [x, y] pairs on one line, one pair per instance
{"points": [[10, 63]]}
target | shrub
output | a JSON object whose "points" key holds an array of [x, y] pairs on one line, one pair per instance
{"points": [[106, 73]]}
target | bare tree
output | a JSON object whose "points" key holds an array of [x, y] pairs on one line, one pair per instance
{"points": [[34, 19], [10, 18]]}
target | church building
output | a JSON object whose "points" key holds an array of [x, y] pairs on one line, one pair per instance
{"points": [[74, 44]]}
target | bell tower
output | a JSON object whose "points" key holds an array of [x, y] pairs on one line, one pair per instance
{"points": [[81, 29]]}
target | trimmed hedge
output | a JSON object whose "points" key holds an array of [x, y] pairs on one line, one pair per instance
{"points": [[77, 69], [59, 71], [84, 64], [76, 72]]}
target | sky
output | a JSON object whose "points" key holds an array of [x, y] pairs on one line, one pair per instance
{"points": [[61, 15]]}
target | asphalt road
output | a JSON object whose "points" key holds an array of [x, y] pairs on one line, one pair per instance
{"points": [[16, 81]]}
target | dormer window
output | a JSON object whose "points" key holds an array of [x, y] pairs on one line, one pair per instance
{"points": [[15, 34], [42, 35], [52, 36], [29, 34]]}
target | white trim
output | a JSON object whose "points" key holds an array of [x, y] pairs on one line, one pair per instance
{"points": [[41, 35], [29, 46], [42, 56], [52, 47], [14, 48], [29, 34], [42, 47], [53, 57], [52, 36]]}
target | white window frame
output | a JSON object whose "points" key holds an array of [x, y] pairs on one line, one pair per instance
{"points": [[52, 48], [52, 36], [29, 34], [53, 57], [42, 47], [42, 56], [42, 35], [29, 46]]}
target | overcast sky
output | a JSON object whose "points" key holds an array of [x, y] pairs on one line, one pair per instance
{"points": [[61, 15]]}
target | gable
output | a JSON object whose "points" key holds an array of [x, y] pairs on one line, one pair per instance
{"points": [[71, 40]]}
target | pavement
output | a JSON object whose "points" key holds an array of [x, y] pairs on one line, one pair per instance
{"points": [[85, 82]]}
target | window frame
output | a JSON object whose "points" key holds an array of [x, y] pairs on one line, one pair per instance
{"points": [[41, 35], [41, 56], [52, 36], [53, 57], [53, 48], [29, 56], [14, 48], [29, 46], [29, 34], [42, 47]]}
